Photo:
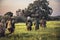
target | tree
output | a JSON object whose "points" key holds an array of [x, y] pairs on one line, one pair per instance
{"points": [[9, 14], [46, 10], [39, 8], [18, 12]]}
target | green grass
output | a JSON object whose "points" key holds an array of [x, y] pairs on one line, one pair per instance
{"points": [[51, 32]]}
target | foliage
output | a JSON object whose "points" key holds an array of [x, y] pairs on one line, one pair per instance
{"points": [[38, 9], [19, 19], [9, 14]]}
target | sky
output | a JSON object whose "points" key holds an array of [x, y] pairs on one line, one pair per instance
{"points": [[13, 5]]}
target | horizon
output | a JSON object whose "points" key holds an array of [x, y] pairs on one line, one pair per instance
{"points": [[13, 5]]}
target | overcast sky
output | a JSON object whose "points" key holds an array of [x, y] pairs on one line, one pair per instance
{"points": [[13, 5]]}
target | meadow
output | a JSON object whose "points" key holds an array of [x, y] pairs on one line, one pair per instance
{"points": [[51, 32]]}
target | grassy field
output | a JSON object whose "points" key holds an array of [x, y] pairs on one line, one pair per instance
{"points": [[51, 32]]}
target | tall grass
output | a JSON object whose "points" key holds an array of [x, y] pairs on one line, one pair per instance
{"points": [[51, 32]]}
